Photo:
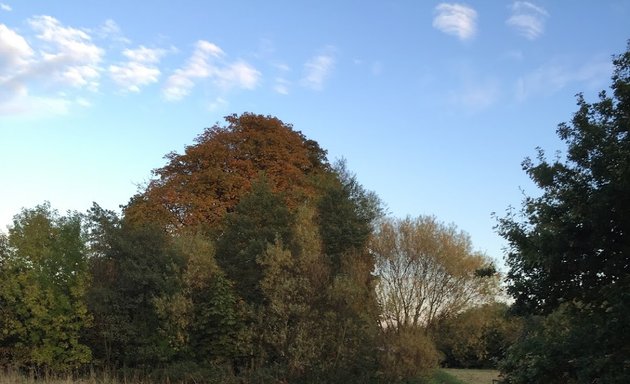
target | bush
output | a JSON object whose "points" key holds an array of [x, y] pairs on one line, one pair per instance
{"points": [[407, 353]]}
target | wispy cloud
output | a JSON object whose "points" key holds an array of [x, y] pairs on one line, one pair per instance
{"points": [[140, 70], [281, 86], [32, 106], [218, 104], [528, 19], [559, 74], [15, 52], [208, 62], [5, 7], [456, 19], [69, 55], [477, 96], [58, 56], [316, 70], [112, 31]]}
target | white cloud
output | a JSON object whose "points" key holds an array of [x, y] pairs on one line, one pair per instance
{"points": [[208, 62], [282, 67], [132, 75], [69, 56], [59, 56], [24, 104], [15, 57], [140, 70], [15, 52], [83, 102], [218, 104], [456, 19], [143, 54], [316, 70], [557, 75], [528, 19], [239, 74], [110, 30], [281, 86], [5, 7]]}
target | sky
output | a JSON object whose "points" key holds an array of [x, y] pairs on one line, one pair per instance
{"points": [[434, 105]]}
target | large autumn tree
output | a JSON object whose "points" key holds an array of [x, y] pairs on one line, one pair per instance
{"points": [[288, 234], [201, 185], [569, 250]]}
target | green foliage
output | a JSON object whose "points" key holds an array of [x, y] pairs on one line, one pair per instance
{"points": [[570, 258], [43, 280], [346, 213], [478, 337], [576, 343], [407, 353], [575, 241], [258, 220], [247, 259], [132, 268], [218, 330]]}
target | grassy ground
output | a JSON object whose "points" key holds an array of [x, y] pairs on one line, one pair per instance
{"points": [[473, 376], [441, 376], [16, 378]]}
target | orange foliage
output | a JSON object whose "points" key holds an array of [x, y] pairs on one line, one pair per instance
{"points": [[205, 182]]}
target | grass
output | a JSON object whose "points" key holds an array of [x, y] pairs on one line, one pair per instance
{"points": [[442, 377], [13, 377], [473, 376]]}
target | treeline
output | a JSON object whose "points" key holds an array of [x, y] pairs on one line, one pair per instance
{"points": [[247, 258], [250, 258]]}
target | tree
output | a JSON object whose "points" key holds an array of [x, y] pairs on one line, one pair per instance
{"points": [[202, 185], [289, 235], [569, 250], [478, 337], [427, 271], [260, 218], [407, 354], [347, 213], [43, 282], [207, 318], [133, 268]]}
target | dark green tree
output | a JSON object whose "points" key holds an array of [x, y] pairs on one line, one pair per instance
{"points": [[346, 214], [207, 316], [478, 337], [569, 252], [259, 219], [132, 268]]}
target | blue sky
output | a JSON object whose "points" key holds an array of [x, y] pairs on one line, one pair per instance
{"points": [[433, 104]]}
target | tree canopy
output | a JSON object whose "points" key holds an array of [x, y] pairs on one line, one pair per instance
{"points": [[569, 249], [200, 186], [247, 258]]}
